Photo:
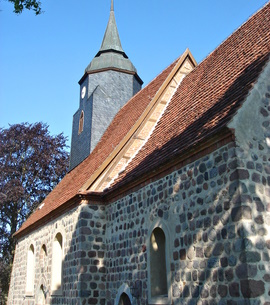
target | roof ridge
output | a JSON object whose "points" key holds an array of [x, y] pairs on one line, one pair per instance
{"points": [[199, 79], [237, 29], [151, 81]]}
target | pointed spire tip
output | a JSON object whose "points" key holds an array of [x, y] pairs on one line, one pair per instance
{"points": [[112, 8]]}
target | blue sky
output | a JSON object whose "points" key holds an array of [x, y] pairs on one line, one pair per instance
{"points": [[43, 57]]}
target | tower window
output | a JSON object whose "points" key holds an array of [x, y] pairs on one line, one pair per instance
{"points": [[81, 122]]}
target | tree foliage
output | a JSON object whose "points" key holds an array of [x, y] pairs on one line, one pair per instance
{"points": [[32, 162], [20, 5]]}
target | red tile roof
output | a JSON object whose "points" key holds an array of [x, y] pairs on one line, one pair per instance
{"points": [[207, 98], [204, 103], [121, 124]]}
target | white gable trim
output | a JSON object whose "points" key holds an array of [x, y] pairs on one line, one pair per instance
{"points": [[145, 127]]}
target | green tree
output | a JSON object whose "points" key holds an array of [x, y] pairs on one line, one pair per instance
{"points": [[32, 162], [20, 5]]}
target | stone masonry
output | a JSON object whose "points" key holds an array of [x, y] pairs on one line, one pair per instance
{"points": [[209, 248], [83, 274]]}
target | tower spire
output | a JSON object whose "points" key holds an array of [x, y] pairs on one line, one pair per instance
{"points": [[111, 40], [111, 53]]}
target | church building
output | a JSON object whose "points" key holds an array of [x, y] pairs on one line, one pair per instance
{"points": [[167, 200]]}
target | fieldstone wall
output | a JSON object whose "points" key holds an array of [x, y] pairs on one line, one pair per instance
{"points": [[209, 213], [91, 267], [195, 204], [44, 236], [252, 130], [83, 251]]}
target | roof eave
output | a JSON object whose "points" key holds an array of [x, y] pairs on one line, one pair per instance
{"points": [[224, 136], [75, 201], [192, 153]]}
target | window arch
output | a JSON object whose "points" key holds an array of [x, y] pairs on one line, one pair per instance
{"points": [[81, 122], [57, 254], [124, 300], [42, 291], [30, 276], [41, 295], [123, 295], [158, 269]]}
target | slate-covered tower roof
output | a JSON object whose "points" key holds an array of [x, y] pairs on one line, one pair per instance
{"points": [[111, 53]]}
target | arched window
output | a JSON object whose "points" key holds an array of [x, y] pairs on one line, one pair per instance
{"points": [[81, 122], [43, 258], [41, 295], [30, 276], [57, 255], [124, 299], [158, 270]]}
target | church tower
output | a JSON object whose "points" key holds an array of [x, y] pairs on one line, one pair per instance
{"points": [[109, 81]]}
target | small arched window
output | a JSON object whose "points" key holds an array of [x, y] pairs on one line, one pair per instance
{"points": [[30, 276], [57, 255], [158, 270], [81, 122], [124, 299], [41, 295], [43, 257]]}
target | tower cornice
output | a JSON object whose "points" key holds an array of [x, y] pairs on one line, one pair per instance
{"points": [[140, 81]]}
